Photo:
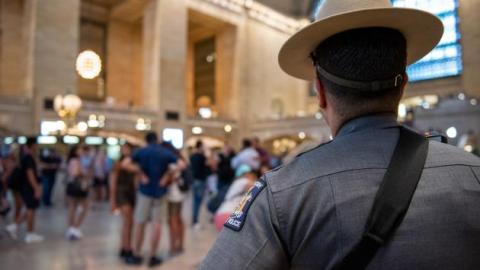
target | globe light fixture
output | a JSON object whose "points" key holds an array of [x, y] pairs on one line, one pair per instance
{"points": [[205, 112], [82, 126], [67, 108], [143, 124], [88, 64], [452, 132], [197, 130], [227, 128]]}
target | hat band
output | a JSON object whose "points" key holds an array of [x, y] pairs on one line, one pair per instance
{"points": [[364, 86]]}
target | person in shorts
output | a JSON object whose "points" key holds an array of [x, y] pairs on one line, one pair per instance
{"points": [[30, 190], [77, 193], [176, 196], [154, 161], [123, 196]]}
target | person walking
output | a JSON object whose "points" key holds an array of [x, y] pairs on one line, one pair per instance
{"points": [[30, 190], [78, 185], [379, 195], [123, 196], [200, 172], [154, 162]]}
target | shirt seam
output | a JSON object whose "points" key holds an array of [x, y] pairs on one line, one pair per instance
{"points": [[256, 254], [337, 220], [360, 169], [278, 216], [475, 173]]}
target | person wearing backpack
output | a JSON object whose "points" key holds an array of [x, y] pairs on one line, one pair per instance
{"points": [[13, 181], [27, 183]]}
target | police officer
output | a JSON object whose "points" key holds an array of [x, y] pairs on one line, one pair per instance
{"points": [[311, 212]]}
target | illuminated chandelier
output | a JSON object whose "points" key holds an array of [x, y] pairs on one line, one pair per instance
{"points": [[67, 108]]}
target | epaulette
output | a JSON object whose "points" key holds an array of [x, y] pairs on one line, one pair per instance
{"points": [[314, 148]]}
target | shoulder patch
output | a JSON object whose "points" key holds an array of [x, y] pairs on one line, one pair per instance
{"points": [[237, 218]]}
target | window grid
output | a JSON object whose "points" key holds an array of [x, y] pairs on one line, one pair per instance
{"points": [[446, 59]]}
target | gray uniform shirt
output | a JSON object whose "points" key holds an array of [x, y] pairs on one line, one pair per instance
{"points": [[314, 209]]}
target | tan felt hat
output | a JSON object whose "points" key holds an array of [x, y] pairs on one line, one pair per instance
{"points": [[421, 29]]}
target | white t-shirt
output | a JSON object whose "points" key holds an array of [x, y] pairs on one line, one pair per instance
{"points": [[175, 195], [234, 195]]}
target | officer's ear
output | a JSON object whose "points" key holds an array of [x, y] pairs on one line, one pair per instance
{"points": [[404, 83], [321, 94]]}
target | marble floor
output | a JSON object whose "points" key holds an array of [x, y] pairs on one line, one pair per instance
{"points": [[98, 249]]}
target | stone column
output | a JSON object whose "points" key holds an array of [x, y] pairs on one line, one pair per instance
{"points": [[468, 13], [56, 40], [165, 47], [17, 19]]}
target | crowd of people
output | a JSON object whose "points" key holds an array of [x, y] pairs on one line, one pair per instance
{"points": [[146, 185]]}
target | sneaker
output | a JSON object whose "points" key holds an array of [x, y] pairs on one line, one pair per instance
{"points": [[133, 260], [197, 227], [154, 261], [33, 238], [69, 235], [77, 233], [124, 253], [12, 230]]}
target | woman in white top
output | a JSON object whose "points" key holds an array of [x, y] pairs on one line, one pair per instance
{"points": [[175, 199], [245, 179], [77, 194]]}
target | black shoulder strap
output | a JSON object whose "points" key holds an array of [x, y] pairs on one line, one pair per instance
{"points": [[392, 200]]}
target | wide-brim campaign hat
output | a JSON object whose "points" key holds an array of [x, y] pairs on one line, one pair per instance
{"points": [[422, 31]]}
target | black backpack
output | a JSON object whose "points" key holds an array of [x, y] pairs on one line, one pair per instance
{"points": [[15, 179], [186, 179]]}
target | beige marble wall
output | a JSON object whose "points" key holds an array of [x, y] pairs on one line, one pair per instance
{"points": [[125, 62], [56, 48], [151, 40], [469, 11], [16, 45], [266, 80]]}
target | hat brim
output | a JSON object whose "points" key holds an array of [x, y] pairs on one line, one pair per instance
{"points": [[421, 29]]}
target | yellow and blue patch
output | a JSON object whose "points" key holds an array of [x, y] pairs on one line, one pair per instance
{"points": [[238, 217]]}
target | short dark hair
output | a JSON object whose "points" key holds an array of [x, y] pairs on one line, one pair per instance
{"points": [[31, 141], [246, 143], [151, 137], [367, 55], [199, 144]]}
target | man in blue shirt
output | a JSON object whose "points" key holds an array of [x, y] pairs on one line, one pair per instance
{"points": [[156, 164]]}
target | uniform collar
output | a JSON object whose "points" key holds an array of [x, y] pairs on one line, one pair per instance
{"points": [[372, 121]]}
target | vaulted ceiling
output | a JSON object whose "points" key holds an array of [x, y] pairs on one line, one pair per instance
{"points": [[296, 8]]}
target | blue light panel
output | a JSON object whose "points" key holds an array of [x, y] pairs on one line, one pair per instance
{"points": [[446, 59]]}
